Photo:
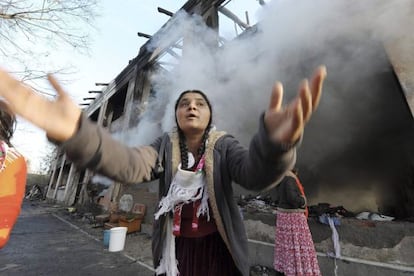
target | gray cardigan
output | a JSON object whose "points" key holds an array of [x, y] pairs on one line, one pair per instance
{"points": [[257, 168]]}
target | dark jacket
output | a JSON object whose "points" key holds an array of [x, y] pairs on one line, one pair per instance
{"points": [[288, 196], [256, 168]]}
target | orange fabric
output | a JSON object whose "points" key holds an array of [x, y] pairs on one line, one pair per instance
{"points": [[13, 173], [302, 191]]}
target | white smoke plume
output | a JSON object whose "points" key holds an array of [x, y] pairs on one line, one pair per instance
{"points": [[349, 147], [357, 147], [238, 77]]}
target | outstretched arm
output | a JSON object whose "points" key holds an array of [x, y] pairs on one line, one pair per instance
{"points": [[272, 150], [59, 118]]}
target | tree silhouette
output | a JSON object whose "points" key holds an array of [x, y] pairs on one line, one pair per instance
{"points": [[31, 30]]}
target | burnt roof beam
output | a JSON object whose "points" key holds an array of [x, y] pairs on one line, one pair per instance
{"points": [[144, 35], [146, 57], [164, 11], [171, 52], [150, 36], [233, 17]]}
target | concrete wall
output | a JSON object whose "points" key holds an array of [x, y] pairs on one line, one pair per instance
{"points": [[367, 247]]}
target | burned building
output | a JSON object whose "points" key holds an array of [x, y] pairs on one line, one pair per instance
{"points": [[357, 151]]}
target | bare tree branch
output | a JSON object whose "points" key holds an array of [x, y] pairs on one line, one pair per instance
{"points": [[26, 24], [63, 21], [36, 79]]}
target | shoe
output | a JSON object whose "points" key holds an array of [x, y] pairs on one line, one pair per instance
{"points": [[13, 173]]}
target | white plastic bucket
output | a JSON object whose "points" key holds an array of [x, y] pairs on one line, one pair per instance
{"points": [[117, 237]]}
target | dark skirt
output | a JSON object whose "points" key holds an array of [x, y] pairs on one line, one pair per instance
{"points": [[205, 256]]}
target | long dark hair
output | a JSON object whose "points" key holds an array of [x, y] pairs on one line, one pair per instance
{"points": [[7, 122], [183, 145]]}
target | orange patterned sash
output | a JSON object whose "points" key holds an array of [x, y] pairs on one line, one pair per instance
{"points": [[13, 172]]}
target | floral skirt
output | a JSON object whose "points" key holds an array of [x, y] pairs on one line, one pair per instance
{"points": [[294, 249]]}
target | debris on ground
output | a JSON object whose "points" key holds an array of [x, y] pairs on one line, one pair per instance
{"points": [[260, 203], [35, 193], [259, 270]]}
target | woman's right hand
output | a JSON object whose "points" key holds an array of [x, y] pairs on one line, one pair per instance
{"points": [[59, 117], [285, 124]]}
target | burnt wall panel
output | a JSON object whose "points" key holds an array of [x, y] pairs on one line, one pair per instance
{"points": [[357, 150]]}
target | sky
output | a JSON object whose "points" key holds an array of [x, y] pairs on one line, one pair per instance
{"points": [[114, 42]]}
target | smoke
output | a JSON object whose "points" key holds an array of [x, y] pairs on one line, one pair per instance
{"points": [[238, 77], [352, 130]]}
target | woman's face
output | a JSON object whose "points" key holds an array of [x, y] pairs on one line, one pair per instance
{"points": [[193, 113]]}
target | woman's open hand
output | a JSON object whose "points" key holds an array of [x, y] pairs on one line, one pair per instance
{"points": [[285, 124], [59, 117]]}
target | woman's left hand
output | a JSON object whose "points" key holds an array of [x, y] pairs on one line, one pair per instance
{"points": [[285, 124]]}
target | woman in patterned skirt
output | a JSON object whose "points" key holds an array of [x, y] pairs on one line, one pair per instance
{"points": [[294, 249]]}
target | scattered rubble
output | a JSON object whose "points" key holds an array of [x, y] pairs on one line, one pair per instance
{"points": [[260, 203], [259, 270], [35, 193]]}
